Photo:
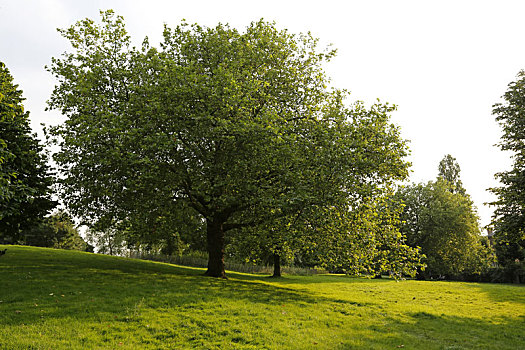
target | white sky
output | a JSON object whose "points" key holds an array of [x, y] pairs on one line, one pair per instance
{"points": [[444, 63]]}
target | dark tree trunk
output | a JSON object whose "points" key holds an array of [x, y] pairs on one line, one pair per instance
{"points": [[421, 275], [516, 277], [276, 265], [215, 247]]}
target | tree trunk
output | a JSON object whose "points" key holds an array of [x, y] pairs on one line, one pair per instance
{"points": [[276, 265], [215, 247], [421, 275], [516, 277], [110, 246]]}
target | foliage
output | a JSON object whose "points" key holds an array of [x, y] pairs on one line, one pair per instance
{"points": [[8, 110], [56, 231], [260, 245], [239, 130], [72, 300], [25, 178], [509, 216], [171, 230], [364, 240], [445, 225]]}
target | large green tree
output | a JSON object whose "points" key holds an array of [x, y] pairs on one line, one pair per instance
{"points": [[509, 216], [240, 128], [25, 177]]}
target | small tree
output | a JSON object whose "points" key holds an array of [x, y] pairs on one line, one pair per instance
{"points": [[270, 244]]}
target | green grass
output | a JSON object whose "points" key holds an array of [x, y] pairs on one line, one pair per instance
{"points": [[55, 299]]}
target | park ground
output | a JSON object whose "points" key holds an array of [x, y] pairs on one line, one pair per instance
{"points": [[57, 299]]}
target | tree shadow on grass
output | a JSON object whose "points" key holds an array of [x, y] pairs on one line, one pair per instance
{"points": [[466, 333], [428, 331], [501, 292], [58, 284]]}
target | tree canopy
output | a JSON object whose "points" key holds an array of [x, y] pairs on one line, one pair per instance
{"points": [[234, 129], [25, 176], [509, 216]]}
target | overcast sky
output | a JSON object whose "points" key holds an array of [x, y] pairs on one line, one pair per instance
{"points": [[444, 63]]}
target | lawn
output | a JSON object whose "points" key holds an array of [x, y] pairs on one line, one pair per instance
{"points": [[56, 299]]}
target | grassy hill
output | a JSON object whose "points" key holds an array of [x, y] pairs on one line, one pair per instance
{"points": [[55, 299]]}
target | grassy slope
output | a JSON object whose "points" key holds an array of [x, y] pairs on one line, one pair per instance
{"points": [[54, 299]]}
